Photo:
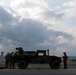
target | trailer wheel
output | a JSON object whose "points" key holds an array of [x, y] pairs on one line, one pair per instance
{"points": [[22, 64], [55, 64]]}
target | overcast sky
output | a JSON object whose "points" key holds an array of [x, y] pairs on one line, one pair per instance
{"points": [[38, 24]]}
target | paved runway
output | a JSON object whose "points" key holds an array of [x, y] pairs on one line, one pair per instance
{"points": [[41, 69], [37, 72]]}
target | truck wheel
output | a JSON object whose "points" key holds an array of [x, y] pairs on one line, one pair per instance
{"points": [[22, 64], [55, 64]]}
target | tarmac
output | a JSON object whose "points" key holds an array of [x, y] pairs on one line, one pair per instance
{"points": [[41, 69], [38, 72]]}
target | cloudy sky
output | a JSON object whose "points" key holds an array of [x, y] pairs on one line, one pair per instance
{"points": [[38, 24]]}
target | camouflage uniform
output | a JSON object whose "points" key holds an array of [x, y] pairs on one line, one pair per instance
{"points": [[13, 61], [20, 51], [65, 58], [7, 60]]}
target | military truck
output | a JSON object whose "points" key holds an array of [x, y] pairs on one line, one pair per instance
{"points": [[37, 57]]}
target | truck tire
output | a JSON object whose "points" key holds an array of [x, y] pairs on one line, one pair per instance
{"points": [[22, 64], [55, 64]]}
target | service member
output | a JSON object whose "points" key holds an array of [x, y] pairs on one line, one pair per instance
{"points": [[65, 58]]}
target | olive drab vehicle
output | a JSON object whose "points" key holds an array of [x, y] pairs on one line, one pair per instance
{"points": [[39, 57]]}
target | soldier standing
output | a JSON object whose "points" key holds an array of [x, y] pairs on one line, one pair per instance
{"points": [[65, 58], [14, 60], [7, 60], [11, 59], [20, 51]]}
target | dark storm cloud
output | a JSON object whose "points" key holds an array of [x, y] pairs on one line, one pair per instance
{"points": [[30, 34], [5, 17]]}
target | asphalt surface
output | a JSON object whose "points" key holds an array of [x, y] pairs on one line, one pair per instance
{"points": [[37, 72], [41, 69]]}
